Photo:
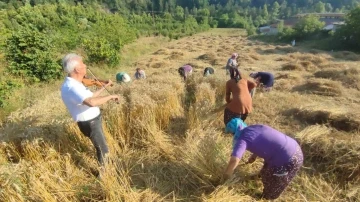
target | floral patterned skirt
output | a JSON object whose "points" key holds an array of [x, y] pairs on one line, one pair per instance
{"points": [[276, 179]]}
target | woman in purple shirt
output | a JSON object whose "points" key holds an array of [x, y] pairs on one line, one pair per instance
{"points": [[282, 155], [185, 71]]}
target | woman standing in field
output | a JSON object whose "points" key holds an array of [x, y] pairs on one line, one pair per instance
{"points": [[231, 63], [240, 105], [282, 155]]}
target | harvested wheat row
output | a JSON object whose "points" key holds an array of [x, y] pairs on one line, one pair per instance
{"points": [[336, 117], [321, 87], [349, 77], [330, 154]]}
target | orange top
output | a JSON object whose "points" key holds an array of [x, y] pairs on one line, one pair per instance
{"points": [[241, 101]]}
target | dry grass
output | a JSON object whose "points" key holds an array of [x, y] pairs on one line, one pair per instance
{"points": [[321, 87], [336, 117], [209, 57], [162, 52], [166, 136], [314, 59], [176, 55], [160, 65], [331, 154], [292, 67], [349, 77], [286, 81]]}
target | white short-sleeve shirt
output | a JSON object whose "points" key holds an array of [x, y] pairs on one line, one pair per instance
{"points": [[73, 94]]}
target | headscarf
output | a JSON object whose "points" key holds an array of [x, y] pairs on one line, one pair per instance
{"points": [[123, 77], [234, 55], [235, 126], [253, 75], [235, 74]]}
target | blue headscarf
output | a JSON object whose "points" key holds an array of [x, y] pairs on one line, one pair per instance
{"points": [[235, 126]]}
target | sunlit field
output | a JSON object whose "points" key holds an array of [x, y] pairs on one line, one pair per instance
{"points": [[166, 137]]}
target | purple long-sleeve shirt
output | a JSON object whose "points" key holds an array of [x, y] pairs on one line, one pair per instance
{"points": [[273, 146], [187, 69]]}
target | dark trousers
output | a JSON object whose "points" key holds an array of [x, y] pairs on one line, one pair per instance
{"points": [[93, 130], [228, 115]]}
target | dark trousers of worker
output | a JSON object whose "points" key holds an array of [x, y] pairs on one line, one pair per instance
{"points": [[93, 130]]}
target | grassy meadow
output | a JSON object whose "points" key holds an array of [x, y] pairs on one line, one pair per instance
{"points": [[166, 137]]}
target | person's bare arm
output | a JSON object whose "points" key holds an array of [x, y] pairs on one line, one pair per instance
{"points": [[98, 92], [233, 163], [251, 85], [97, 101]]}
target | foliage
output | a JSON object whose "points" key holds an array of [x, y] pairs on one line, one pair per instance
{"points": [[308, 25], [100, 50], [6, 87], [349, 34], [30, 56]]}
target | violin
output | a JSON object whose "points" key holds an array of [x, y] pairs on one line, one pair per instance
{"points": [[94, 82]]}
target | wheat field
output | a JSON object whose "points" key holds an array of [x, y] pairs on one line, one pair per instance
{"points": [[166, 138]]}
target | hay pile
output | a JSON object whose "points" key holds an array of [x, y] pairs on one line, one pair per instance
{"points": [[321, 87], [349, 77], [286, 81], [330, 153], [209, 57], [162, 52], [314, 59], [334, 116], [176, 55], [160, 64]]}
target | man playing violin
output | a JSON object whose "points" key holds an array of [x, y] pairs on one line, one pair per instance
{"points": [[83, 104]]}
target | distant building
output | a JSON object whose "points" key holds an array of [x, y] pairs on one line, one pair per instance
{"points": [[269, 30], [322, 15], [332, 22]]}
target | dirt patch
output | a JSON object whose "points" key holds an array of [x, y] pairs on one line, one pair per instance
{"points": [[320, 87]]}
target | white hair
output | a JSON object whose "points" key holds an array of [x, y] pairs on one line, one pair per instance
{"points": [[70, 61]]}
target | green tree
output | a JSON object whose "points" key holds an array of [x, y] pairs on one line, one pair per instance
{"points": [[280, 26], [328, 7], [320, 7], [349, 33], [179, 13], [309, 25], [265, 12], [30, 56], [275, 10]]}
